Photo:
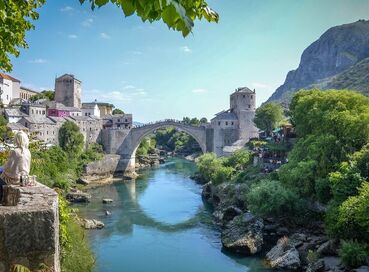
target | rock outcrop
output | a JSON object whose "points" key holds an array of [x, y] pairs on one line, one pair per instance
{"points": [[29, 228], [244, 234], [284, 255], [336, 51]]}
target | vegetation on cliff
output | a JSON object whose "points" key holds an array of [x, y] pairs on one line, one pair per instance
{"points": [[327, 166]]}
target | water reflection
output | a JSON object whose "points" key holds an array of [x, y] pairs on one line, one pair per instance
{"points": [[158, 223]]}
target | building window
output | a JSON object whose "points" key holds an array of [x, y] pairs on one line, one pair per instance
{"points": [[43, 112], [126, 120], [226, 123], [252, 96], [118, 120], [219, 123], [249, 106], [244, 96], [232, 123]]}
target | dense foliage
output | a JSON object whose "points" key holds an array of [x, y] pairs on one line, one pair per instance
{"points": [[117, 111], [16, 18], [268, 116], [70, 138], [329, 164]]}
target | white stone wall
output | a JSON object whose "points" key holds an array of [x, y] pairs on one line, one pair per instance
{"points": [[10, 90]]}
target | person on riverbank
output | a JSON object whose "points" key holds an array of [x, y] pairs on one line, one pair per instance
{"points": [[18, 164]]}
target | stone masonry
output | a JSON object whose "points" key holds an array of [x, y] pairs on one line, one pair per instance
{"points": [[29, 228]]}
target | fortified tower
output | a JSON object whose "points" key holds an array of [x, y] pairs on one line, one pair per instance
{"points": [[68, 91], [243, 104]]}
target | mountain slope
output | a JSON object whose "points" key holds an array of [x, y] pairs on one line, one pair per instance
{"points": [[324, 62]]}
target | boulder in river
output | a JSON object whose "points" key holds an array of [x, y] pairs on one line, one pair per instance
{"points": [[77, 196], [284, 255], [107, 200], [92, 224], [244, 234]]}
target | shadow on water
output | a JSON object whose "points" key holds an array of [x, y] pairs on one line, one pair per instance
{"points": [[163, 204]]}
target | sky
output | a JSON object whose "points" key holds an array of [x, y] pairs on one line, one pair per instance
{"points": [[154, 73]]}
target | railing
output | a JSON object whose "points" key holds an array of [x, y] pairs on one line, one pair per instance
{"points": [[160, 122]]}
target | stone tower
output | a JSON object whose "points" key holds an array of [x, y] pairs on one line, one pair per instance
{"points": [[68, 91], [243, 104]]}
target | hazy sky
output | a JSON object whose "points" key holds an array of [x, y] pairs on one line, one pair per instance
{"points": [[155, 73]]}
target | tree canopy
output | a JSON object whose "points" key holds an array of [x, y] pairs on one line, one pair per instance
{"points": [[268, 117], [117, 111], [16, 18], [70, 138]]}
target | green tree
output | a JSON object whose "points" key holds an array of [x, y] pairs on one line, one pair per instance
{"points": [[268, 117], [270, 198], [208, 164], [16, 18], [203, 120], [117, 111], [70, 138], [49, 95]]}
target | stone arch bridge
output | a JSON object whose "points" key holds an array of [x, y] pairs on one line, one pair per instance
{"points": [[125, 142]]}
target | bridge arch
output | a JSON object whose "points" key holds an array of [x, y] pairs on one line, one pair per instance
{"points": [[130, 143]]}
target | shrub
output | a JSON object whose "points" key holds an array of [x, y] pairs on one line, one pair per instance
{"points": [[352, 253], [208, 165], [75, 254], [299, 177], [222, 174], [239, 160], [323, 190], [345, 182], [270, 198], [350, 220]]}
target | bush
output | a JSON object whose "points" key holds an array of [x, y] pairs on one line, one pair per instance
{"points": [[350, 220], [352, 253], [323, 190], [70, 138], [75, 254], [299, 177], [208, 165], [222, 174], [239, 160], [345, 182], [270, 198]]}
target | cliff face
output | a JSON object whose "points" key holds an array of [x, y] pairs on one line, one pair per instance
{"points": [[336, 51]]}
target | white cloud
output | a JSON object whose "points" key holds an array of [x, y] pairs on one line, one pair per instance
{"points": [[105, 36], [185, 49], [72, 36], [38, 61], [260, 85], [199, 91], [88, 22], [66, 9], [128, 87]]}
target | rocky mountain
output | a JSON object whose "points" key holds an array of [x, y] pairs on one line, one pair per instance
{"points": [[338, 59]]}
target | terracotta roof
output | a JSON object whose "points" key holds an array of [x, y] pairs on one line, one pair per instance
{"points": [[5, 76]]}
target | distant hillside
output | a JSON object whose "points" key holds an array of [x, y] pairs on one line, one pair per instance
{"points": [[338, 59]]}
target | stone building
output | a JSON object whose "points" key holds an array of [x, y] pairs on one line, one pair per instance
{"points": [[105, 108], [68, 91], [117, 121], [90, 128], [91, 109], [234, 127], [59, 110], [26, 93]]}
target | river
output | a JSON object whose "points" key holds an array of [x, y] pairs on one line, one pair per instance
{"points": [[160, 224]]}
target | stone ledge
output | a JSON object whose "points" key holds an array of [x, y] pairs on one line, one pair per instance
{"points": [[29, 227]]}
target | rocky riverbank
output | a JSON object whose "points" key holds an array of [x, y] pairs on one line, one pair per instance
{"points": [[284, 245]]}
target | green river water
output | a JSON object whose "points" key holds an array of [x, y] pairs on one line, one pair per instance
{"points": [[159, 223]]}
